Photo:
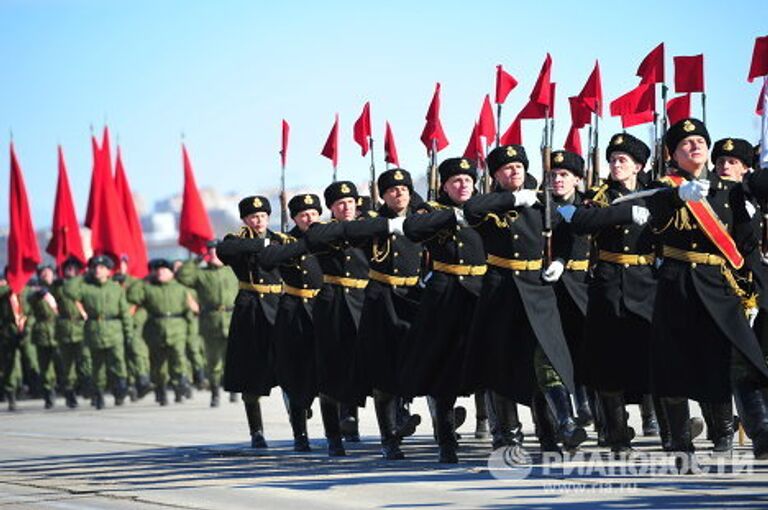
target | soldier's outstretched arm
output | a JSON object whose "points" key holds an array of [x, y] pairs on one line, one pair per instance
{"points": [[126, 319], [188, 273], [232, 247], [366, 228], [320, 236], [590, 220], [277, 254], [478, 207]]}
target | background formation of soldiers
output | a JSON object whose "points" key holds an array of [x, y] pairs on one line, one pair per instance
{"points": [[575, 303]]}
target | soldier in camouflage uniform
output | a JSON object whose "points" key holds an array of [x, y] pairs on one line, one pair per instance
{"points": [[44, 310], [13, 333]]}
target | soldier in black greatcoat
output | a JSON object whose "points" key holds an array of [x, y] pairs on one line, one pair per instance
{"points": [[249, 366], [702, 344], [518, 347]]}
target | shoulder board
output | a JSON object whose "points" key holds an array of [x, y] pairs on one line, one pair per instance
{"points": [[284, 238], [669, 181], [437, 205], [596, 194], [370, 214]]}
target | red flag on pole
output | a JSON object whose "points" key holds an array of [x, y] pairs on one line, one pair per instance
{"points": [[487, 124], [474, 150], [592, 93], [679, 108], [65, 231], [505, 83], [433, 129], [759, 66], [573, 141], [635, 119], [689, 73], [514, 133], [194, 225], [137, 257], [94, 192], [763, 91], [284, 149], [23, 252], [331, 147], [362, 129], [651, 69], [580, 112], [390, 150], [542, 90], [640, 99]]}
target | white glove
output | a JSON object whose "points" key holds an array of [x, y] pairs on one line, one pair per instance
{"points": [[266, 242], [640, 215], [553, 272], [751, 316], [693, 191], [750, 208], [525, 198], [567, 212], [459, 213], [396, 225]]}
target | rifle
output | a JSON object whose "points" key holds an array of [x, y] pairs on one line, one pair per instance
{"points": [[283, 202], [372, 185], [546, 174], [432, 173]]}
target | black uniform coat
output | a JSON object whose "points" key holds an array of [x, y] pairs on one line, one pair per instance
{"points": [[698, 319], [517, 310], [387, 311], [294, 332], [433, 354], [249, 361], [337, 310], [620, 298]]}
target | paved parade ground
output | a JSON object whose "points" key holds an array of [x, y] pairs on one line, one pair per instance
{"points": [[190, 456]]}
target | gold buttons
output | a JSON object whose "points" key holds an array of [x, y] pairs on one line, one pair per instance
{"points": [[461, 277], [726, 206], [626, 231], [304, 271], [694, 245], [395, 254], [517, 272], [626, 266], [693, 265], [347, 258], [347, 273], [516, 254], [394, 237], [395, 271], [461, 244], [461, 261], [305, 285], [261, 280], [516, 236], [626, 248], [303, 257], [346, 291]]}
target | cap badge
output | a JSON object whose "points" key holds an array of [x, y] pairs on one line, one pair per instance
{"points": [[464, 165], [688, 126], [618, 140], [728, 145], [398, 175], [345, 189], [257, 202], [308, 200], [511, 152], [559, 158]]}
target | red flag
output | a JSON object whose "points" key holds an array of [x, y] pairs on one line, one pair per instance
{"points": [[474, 148], [635, 119], [331, 147], [106, 152], [763, 91], [284, 149], [23, 252], [580, 113], [362, 128], [689, 73], [679, 108], [592, 93], [95, 192], [433, 129], [542, 90], [505, 83], [651, 69], [573, 141], [534, 110], [390, 150], [194, 225], [759, 66], [514, 133], [137, 257], [487, 124], [640, 99], [65, 231]]}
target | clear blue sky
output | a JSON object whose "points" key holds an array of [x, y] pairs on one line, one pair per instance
{"points": [[226, 72]]}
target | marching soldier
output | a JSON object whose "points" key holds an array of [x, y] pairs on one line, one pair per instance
{"points": [[216, 287], [75, 358], [13, 332], [622, 287], [108, 326], [44, 311], [249, 366], [523, 354], [194, 342], [167, 304], [702, 344]]}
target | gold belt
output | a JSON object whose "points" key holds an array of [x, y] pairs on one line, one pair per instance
{"points": [[626, 259], [260, 288], [395, 281], [352, 283], [458, 269], [515, 264], [695, 257], [577, 265], [302, 293]]}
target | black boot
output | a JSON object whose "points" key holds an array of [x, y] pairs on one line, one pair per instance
{"points": [[648, 414], [120, 391], [49, 396], [445, 429], [618, 434], [98, 399], [330, 414], [720, 428], [255, 424], [506, 429], [182, 390], [71, 399], [752, 404], [161, 395], [215, 397], [133, 393], [386, 416], [10, 396], [663, 419], [481, 416], [599, 414], [584, 415], [298, 417], [559, 402], [143, 386], [199, 379], [678, 414], [349, 423], [232, 397], [406, 422], [546, 431]]}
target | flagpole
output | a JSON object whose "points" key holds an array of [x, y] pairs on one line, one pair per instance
{"points": [[334, 173], [546, 152], [374, 191], [432, 175], [498, 124], [283, 198], [704, 107]]}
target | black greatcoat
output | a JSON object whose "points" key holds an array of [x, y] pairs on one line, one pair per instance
{"points": [[249, 361], [433, 355], [698, 319], [387, 310], [620, 298], [517, 310], [294, 332], [336, 312]]}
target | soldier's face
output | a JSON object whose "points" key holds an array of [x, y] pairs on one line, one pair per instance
{"points": [[101, 272], [730, 168], [70, 271], [692, 153], [164, 275], [511, 176], [46, 276], [623, 167], [258, 221], [306, 218], [459, 188], [564, 182], [344, 209], [397, 198]]}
